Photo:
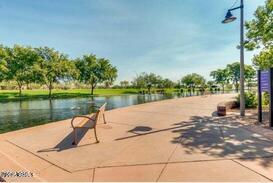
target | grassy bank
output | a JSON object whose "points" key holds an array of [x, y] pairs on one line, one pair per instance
{"points": [[10, 95]]}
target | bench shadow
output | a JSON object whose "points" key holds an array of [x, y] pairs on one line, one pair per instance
{"points": [[66, 143]]}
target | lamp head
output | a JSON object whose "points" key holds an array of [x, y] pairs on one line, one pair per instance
{"points": [[229, 18]]}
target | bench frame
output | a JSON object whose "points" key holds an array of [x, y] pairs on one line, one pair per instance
{"points": [[93, 120]]}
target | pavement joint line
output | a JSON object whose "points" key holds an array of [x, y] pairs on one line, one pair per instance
{"points": [[93, 176], [172, 162], [125, 124], [161, 172], [169, 158], [21, 166], [38, 156], [261, 157], [45, 168], [252, 170]]}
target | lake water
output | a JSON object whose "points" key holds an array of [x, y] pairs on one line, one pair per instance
{"points": [[21, 114]]}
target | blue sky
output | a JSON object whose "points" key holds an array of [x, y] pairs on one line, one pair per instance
{"points": [[168, 37]]}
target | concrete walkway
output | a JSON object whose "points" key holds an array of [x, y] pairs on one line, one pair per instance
{"points": [[171, 140]]}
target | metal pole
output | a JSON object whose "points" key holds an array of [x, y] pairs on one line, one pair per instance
{"points": [[270, 97], [260, 117], [242, 90]]}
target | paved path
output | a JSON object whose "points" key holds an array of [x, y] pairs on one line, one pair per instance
{"points": [[171, 140]]}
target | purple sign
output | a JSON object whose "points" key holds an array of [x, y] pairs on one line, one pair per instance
{"points": [[264, 81]]}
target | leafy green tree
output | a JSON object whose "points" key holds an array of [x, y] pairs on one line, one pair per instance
{"points": [[193, 80], [166, 83], [264, 60], [260, 29], [93, 71], [211, 85], [234, 74], [3, 63], [108, 73], [139, 81], [250, 75], [21, 65], [53, 67], [220, 76], [145, 80], [124, 84], [260, 35]]}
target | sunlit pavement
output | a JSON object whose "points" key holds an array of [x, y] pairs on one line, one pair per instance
{"points": [[171, 140]]}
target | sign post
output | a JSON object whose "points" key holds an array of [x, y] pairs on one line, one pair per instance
{"points": [[265, 84], [270, 97], [260, 115]]}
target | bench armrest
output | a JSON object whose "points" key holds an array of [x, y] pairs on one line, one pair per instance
{"points": [[80, 116]]}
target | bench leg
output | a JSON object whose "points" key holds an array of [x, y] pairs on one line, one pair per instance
{"points": [[95, 132], [104, 118], [75, 137]]}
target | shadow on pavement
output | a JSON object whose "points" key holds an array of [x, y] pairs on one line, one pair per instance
{"points": [[223, 137], [66, 143], [152, 132]]}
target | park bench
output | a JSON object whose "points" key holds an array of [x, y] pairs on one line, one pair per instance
{"points": [[87, 122]]}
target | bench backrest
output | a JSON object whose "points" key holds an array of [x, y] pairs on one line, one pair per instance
{"points": [[100, 112]]}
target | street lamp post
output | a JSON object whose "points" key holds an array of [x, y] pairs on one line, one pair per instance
{"points": [[230, 18]]}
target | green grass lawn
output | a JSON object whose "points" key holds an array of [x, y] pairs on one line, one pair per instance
{"points": [[30, 94], [9, 95]]}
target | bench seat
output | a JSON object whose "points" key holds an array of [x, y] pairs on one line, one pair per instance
{"points": [[88, 121], [85, 122]]}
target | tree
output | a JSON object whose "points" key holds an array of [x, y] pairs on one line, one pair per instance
{"points": [[53, 66], [234, 74], [260, 35], [166, 83], [108, 73], [3, 63], [264, 60], [260, 29], [124, 84], [93, 71], [250, 75], [139, 81], [211, 85], [21, 65], [145, 80], [193, 80], [220, 76]]}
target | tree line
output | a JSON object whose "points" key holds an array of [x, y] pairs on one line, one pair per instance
{"points": [[46, 66], [230, 75]]}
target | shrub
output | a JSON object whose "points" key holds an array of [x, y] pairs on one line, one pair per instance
{"points": [[251, 100], [265, 98]]}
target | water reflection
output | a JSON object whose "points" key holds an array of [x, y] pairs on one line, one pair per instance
{"points": [[21, 114]]}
